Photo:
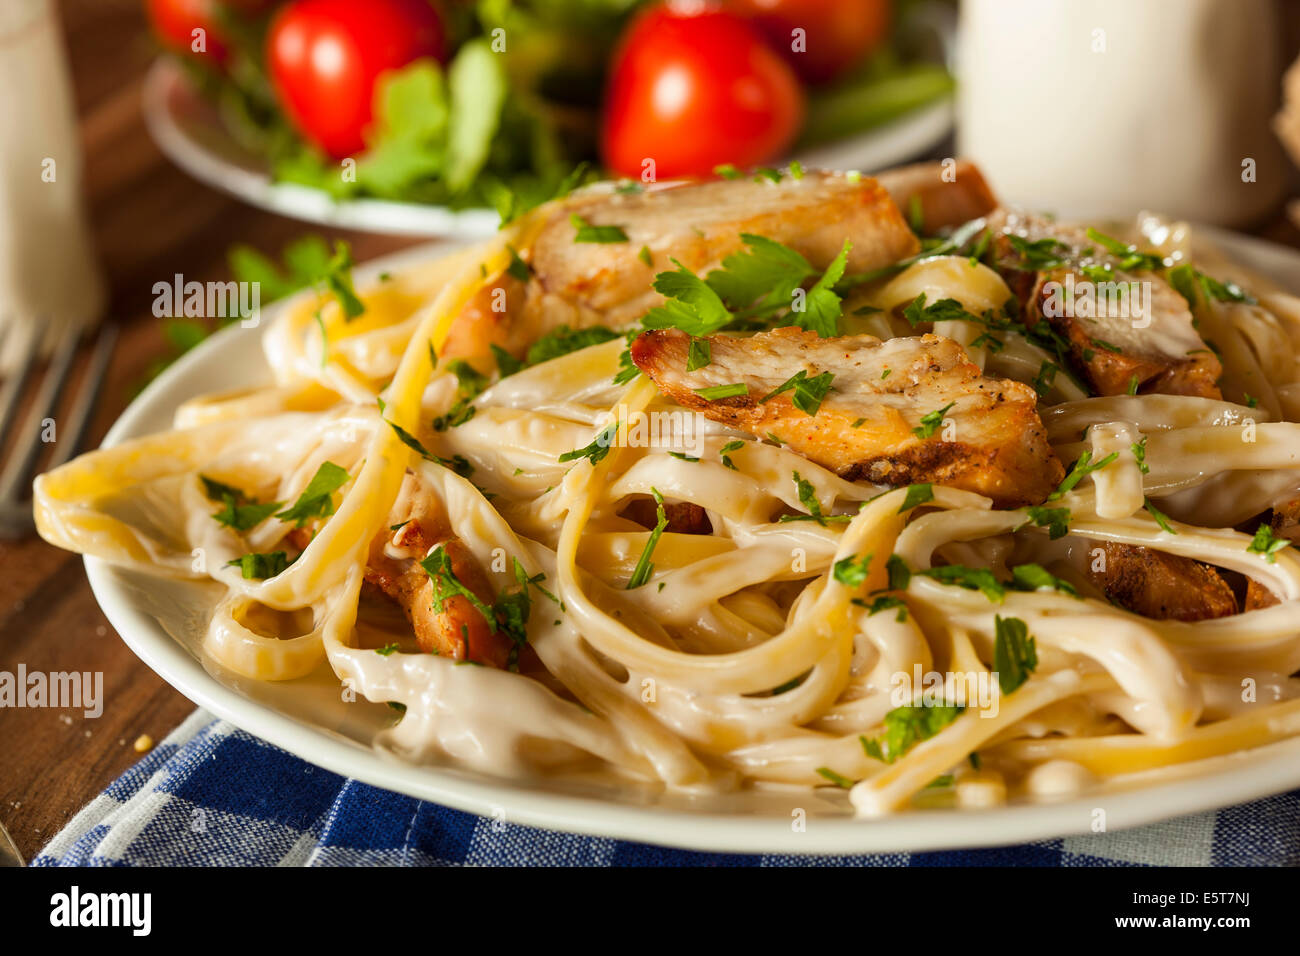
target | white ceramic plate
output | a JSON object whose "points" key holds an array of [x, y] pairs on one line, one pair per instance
{"points": [[307, 717], [190, 134]]}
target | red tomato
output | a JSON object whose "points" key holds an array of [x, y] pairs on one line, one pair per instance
{"points": [[324, 57], [838, 34], [692, 90], [174, 23]]}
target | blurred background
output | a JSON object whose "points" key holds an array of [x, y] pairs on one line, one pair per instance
{"points": [[146, 141]]}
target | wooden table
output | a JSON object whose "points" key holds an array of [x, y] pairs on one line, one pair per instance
{"points": [[150, 221]]}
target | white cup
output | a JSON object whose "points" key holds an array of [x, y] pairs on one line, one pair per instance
{"points": [[49, 278], [1108, 107]]}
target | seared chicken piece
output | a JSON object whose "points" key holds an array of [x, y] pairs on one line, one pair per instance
{"points": [[1285, 521], [887, 418], [1163, 586], [684, 517], [698, 224], [1116, 337], [393, 569], [948, 196]]}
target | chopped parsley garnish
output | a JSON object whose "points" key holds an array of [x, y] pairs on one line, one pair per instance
{"points": [[836, 778], [241, 512], [1139, 449], [1162, 519], [678, 454], [1055, 520], [1133, 384], [586, 232], [698, 355], [1267, 544], [1015, 653], [931, 422], [470, 383], [386, 650], [1035, 577], [972, 579], [900, 576], [338, 279], [1251, 400], [260, 566], [1130, 259], [645, 256], [564, 340], [917, 495], [945, 310], [517, 269], [317, 499], [1109, 347], [808, 498], [808, 392], [641, 573], [1083, 467], [459, 464], [852, 572], [724, 452], [726, 171], [1039, 254], [597, 449], [1186, 279], [796, 169], [755, 285], [507, 364], [509, 614], [885, 603], [907, 726], [1046, 376], [715, 392]]}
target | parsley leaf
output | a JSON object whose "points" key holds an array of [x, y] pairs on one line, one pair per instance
{"points": [[808, 392], [597, 449], [1162, 519], [1267, 544], [564, 340], [917, 495], [1083, 467], [699, 355], [931, 422], [851, 572], [641, 573], [714, 392], [316, 500], [260, 566], [734, 445], [1055, 520], [241, 512], [1015, 653], [586, 232], [907, 726]]}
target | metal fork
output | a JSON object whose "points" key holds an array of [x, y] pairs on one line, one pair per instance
{"points": [[70, 431]]}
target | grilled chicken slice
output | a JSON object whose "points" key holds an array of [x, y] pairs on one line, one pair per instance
{"points": [[947, 195], [684, 517], [698, 224], [882, 394], [1163, 586], [393, 569], [1114, 338], [1285, 521]]}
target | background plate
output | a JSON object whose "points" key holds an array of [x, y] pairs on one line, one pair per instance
{"points": [[190, 134], [307, 717]]}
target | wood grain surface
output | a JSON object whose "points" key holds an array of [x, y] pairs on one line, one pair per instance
{"points": [[150, 221]]}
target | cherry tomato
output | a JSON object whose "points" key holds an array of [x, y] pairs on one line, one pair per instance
{"points": [[174, 23], [838, 34], [324, 57], [692, 89]]}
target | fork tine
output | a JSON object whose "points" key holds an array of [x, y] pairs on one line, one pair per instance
{"points": [[78, 418], [47, 399], [13, 386]]}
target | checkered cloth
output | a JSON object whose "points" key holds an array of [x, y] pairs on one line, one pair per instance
{"points": [[211, 794]]}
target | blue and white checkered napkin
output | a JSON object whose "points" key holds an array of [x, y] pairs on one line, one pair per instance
{"points": [[211, 794]]}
